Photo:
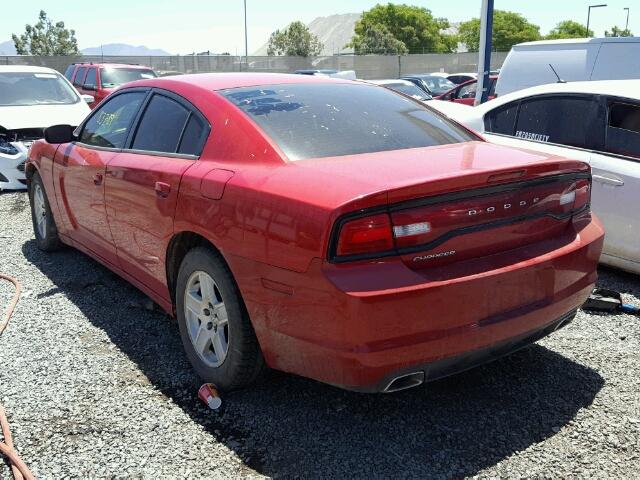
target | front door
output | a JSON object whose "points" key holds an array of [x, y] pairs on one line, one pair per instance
{"points": [[79, 173]]}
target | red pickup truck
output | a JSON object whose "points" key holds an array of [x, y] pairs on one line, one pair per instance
{"points": [[100, 79]]}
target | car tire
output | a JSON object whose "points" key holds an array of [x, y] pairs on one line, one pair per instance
{"points": [[44, 225], [211, 316]]}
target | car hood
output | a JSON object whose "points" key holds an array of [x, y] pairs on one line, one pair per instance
{"points": [[42, 116]]}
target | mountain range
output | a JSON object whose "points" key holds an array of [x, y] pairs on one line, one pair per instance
{"points": [[334, 31], [7, 48]]}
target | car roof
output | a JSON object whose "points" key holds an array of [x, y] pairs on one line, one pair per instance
{"points": [[619, 88], [113, 65], [424, 75], [221, 81], [26, 68], [577, 41], [391, 81]]}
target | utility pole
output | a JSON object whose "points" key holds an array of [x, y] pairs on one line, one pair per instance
{"points": [[484, 53], [246, 43], [589, 13], [626, 26]]}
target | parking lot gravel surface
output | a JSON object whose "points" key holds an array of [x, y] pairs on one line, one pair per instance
{"points": [[96, 385]]}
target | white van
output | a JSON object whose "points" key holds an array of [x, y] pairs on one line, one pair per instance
{"points": [[576, 59]]}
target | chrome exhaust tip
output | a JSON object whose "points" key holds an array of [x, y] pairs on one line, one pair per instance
{"points": [[408, 380]]}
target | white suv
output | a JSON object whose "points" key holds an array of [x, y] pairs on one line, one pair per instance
{"points": [[31, 99]]}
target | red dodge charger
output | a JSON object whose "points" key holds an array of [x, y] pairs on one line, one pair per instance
{"points": [[333, 229]]}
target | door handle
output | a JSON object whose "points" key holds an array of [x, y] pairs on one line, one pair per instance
{"points": [[97, 179], [616, 182], [162, 189]]}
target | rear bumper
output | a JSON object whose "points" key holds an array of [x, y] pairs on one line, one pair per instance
{"points": [[466, 361], [357, 326]]}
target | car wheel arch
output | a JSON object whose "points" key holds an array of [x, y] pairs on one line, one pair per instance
{"points": [[179, 245]]}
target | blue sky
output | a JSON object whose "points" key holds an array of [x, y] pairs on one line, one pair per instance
{"points": [[187, 26]]}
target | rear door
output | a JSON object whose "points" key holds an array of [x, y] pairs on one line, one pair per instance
{"points": [[90, 85], [78, 78], [616, 180], [79, 170], [142, 184]]}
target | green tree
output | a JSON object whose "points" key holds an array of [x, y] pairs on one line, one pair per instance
{"points": [[377, 39], [414, 27], [46, 38], [569, 29], [509, 28], [618, 32], [295, 40]]}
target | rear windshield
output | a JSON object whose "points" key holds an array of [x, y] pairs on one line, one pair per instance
{"points": [[326, 120], [29, 88], [410, 90], [112, 77]]}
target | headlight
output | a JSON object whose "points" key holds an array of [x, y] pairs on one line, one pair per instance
{"points": [[7, 148]]}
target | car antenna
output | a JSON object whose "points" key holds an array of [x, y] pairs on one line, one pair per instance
{"points": [[556, 74]]}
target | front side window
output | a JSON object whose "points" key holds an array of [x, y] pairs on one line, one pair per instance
{"points": [[325, 120], [572, 121], [623, 129], [69, 71], [35, 88], [112, 77], [110, 124], [161, 126]]}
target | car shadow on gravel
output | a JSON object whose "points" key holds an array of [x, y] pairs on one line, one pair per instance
{"points": [[287, 426]]}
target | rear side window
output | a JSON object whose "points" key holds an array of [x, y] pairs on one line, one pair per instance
{"points": [[571, 121], [623, 129], [79, 76], [91, 79], [109, 126], [501, 120], [69, 72], [193, 137], [324, 120], [161, 126]]}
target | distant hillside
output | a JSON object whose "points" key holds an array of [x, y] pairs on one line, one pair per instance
{"points": [[334, 31], [7, 48], [123, 49]]}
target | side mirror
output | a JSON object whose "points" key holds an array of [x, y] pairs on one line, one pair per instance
{"points": [[59, 134], [88, 98], [89, 87]]}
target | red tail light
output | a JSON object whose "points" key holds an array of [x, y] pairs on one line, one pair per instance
{"points": [[424, 224], [583, 194], [365, 235]]}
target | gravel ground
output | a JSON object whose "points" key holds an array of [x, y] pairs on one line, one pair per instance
{"points": [[96, 385]]}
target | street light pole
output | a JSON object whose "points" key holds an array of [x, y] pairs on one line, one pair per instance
{"points": [[484, 52], [589, 13], [626, 27], [246, 44]]}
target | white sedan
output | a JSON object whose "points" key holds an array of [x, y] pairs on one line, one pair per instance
{"points": [[597, 122], [31, 99]]}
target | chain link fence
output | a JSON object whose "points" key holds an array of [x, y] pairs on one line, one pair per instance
{"points": [[365, 66]]}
